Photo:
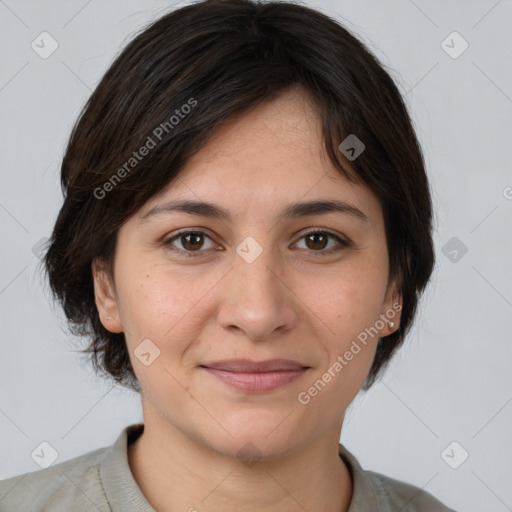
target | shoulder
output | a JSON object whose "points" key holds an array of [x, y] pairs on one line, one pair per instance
{"points": [[404, 496], [374, 491], [74, 484]]}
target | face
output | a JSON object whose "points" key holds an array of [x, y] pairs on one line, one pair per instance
{"points": [[193, 289]]}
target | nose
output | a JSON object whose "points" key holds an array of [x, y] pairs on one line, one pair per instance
{"points": [[257, 298]]}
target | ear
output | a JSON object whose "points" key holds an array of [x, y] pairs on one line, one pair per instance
{"points": [[391, 309], [105, 298]]}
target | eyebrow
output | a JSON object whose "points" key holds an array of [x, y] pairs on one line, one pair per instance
{"points": [[210, 210]]}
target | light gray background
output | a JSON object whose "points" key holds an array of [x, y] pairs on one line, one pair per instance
{"points": [[452, 380]]}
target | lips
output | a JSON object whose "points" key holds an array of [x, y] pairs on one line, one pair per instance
{"points": [[247, 366], [256, 376]]}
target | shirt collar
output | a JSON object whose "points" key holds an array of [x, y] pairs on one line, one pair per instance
{"points": [[123, 492], [121, 488], [365, 494]]}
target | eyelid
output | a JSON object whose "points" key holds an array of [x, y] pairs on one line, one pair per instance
{"points": [[339, 236]]}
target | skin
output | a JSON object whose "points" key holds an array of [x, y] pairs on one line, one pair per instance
{"points": [[291, 302]]}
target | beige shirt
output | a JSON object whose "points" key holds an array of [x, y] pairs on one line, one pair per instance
{"points": [[101, 480]]}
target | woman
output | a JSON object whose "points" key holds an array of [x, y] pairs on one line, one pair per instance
{"points": [[245, 236]]}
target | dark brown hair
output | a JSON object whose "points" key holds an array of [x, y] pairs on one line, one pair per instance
{"points": [[222, 58]]}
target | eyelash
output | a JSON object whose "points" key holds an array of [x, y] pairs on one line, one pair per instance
{"points": [[343, 244]]}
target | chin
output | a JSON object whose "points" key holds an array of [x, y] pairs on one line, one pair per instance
{"points": [[256, 436]]}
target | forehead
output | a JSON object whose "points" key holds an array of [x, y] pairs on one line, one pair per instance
{"points": [[281, 130], [270, 155]]}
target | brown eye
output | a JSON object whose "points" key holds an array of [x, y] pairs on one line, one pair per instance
{"points": [[191, 242], [318, 242]]}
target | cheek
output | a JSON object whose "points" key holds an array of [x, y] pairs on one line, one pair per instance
{"points": [[353, 313], [346, 301], [147, 302], [347, 305], [351, 309], [163, 306], [159, 308], [148, 293]]}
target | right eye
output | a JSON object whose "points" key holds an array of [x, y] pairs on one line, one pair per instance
{"points": [[191, 241]]}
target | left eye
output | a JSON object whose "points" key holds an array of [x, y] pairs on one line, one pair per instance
{"points": [[320, 238], [316, 241]]}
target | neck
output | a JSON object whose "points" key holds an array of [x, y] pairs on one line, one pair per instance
{"points": [[176, 472]]}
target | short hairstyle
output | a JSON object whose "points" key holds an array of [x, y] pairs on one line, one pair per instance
{"points": [[172, 86]]}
